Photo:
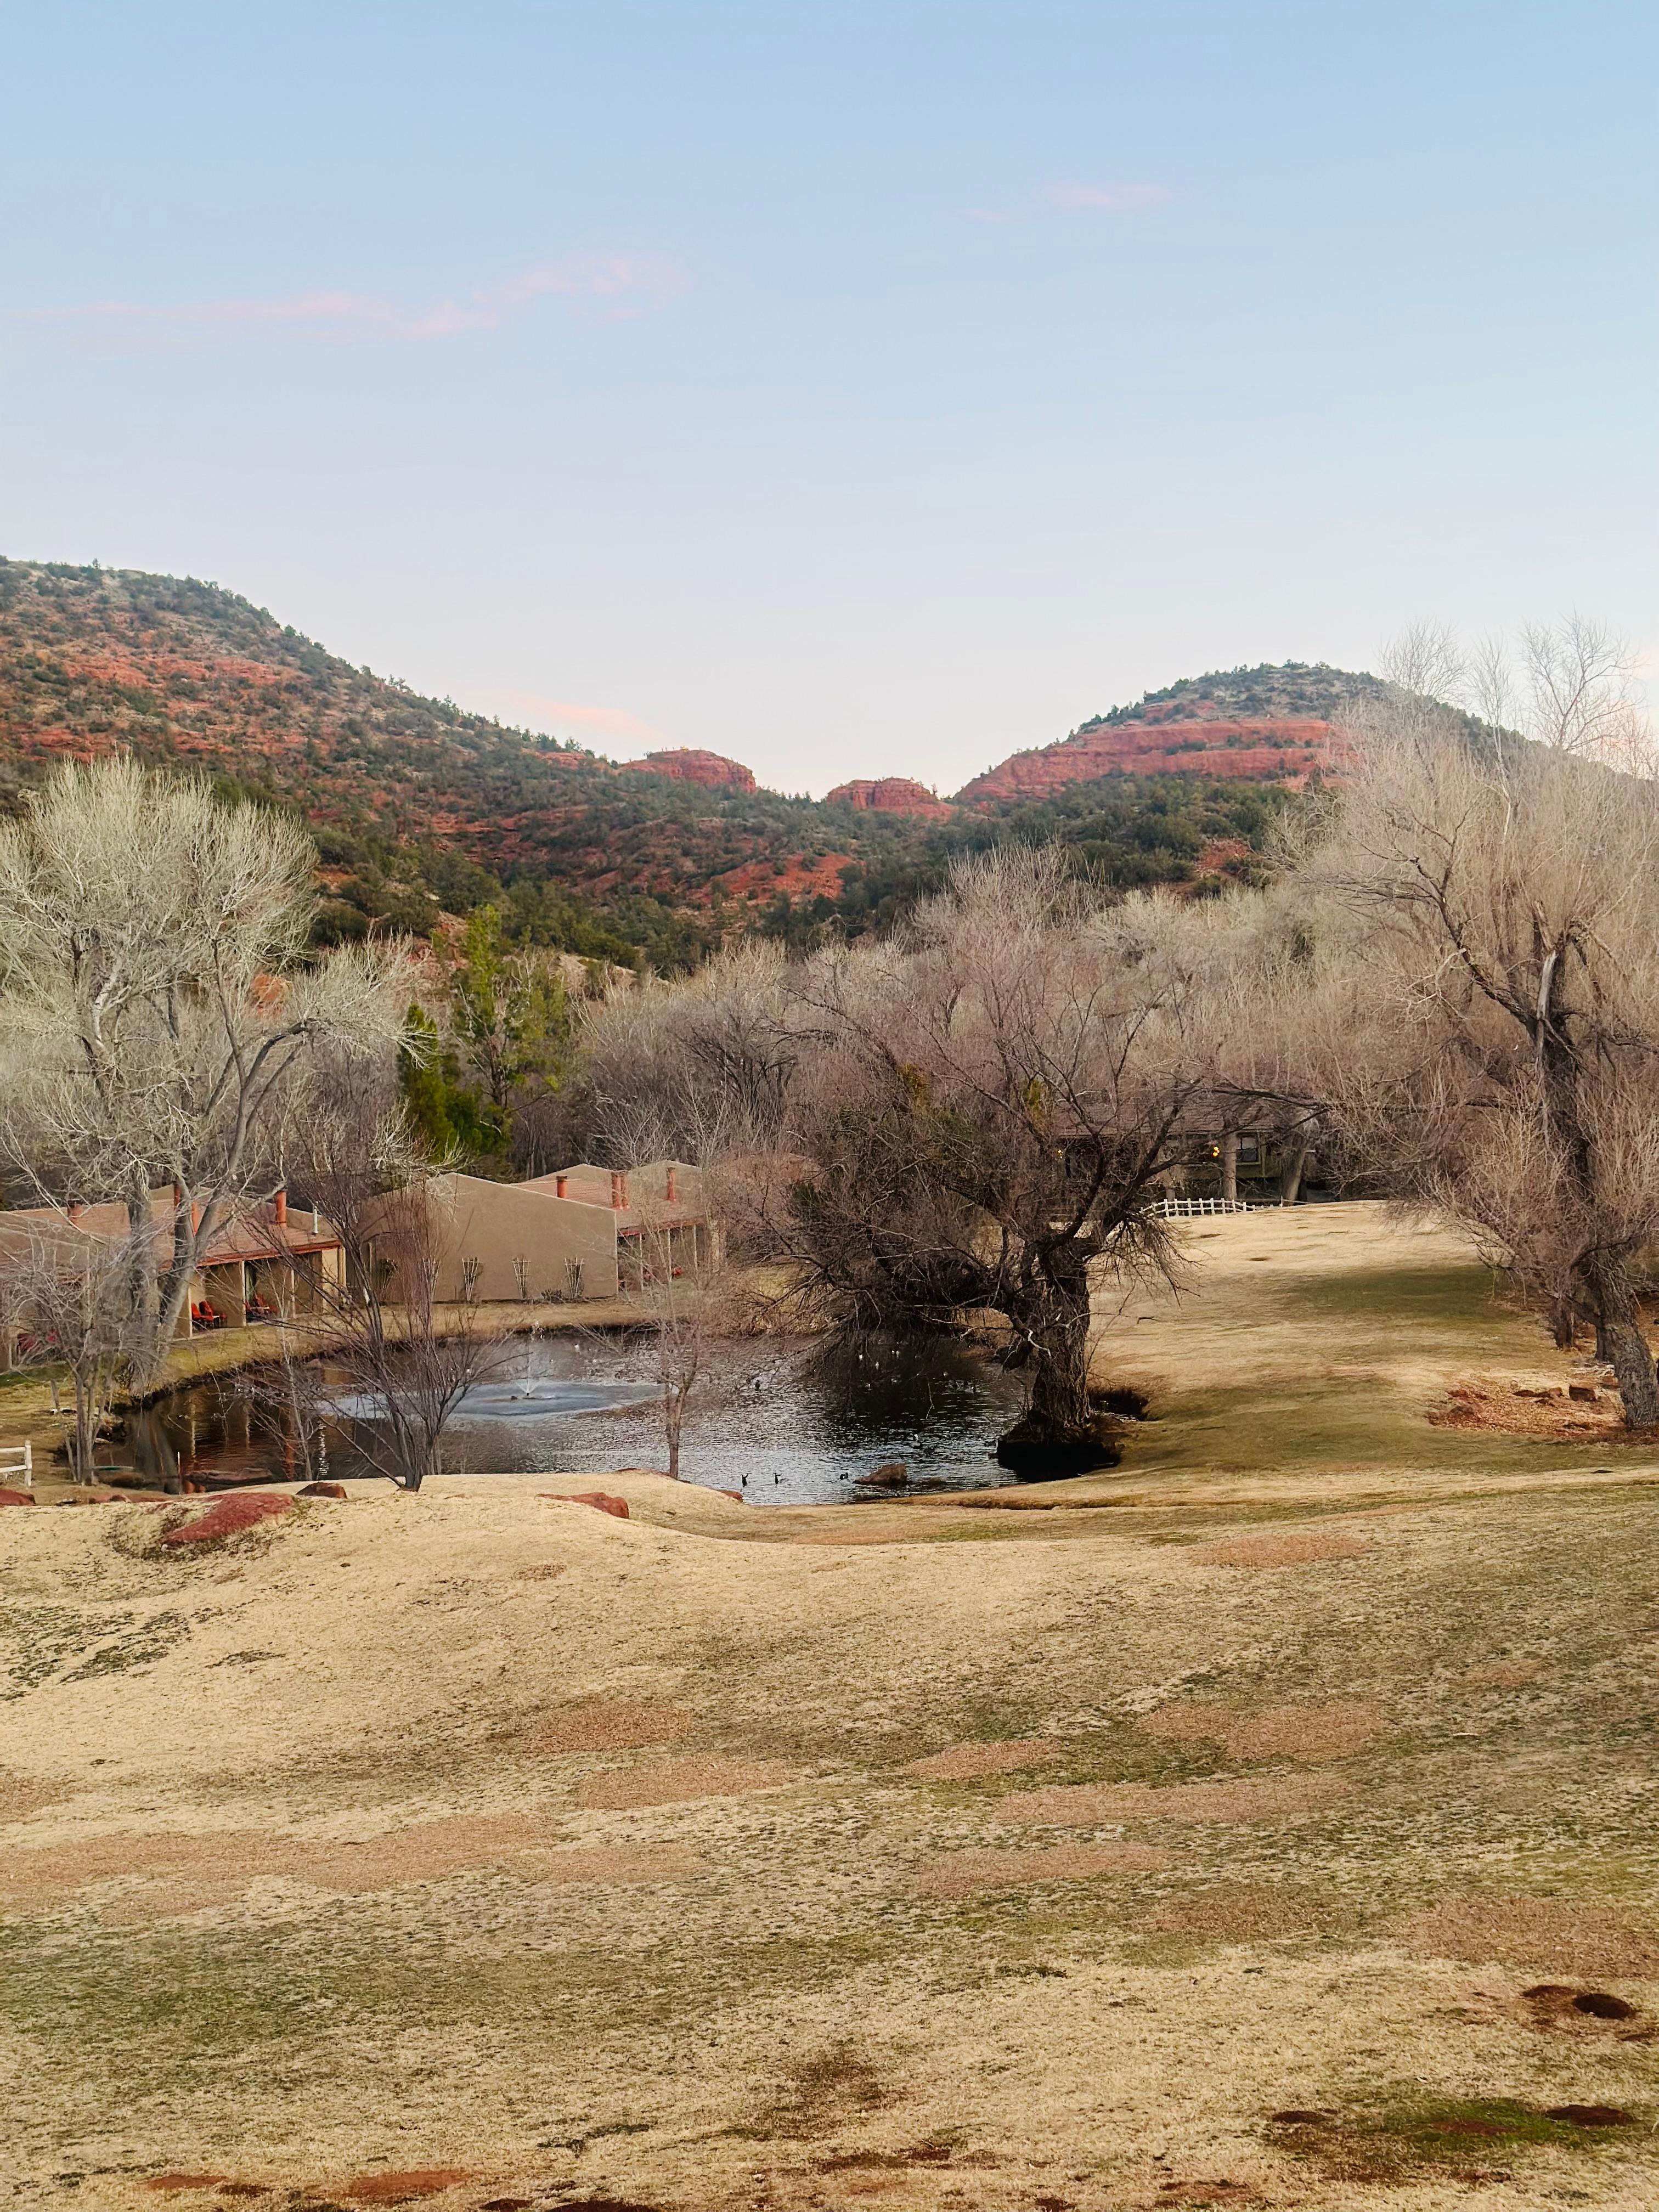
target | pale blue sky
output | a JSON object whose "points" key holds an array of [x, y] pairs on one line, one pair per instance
{"points": [[854, 386]]}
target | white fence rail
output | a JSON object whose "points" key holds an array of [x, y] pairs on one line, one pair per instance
{"points": [[17, 1465], [1184, 1209]]}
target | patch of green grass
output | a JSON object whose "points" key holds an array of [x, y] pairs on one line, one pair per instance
{"points": [[1463, 1298], [1414, 2132], [1353, 1424]]}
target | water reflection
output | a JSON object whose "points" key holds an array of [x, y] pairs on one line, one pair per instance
{"points": [[785, 1423]]}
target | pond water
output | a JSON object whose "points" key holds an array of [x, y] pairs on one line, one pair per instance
{"points": [[786, 1423]]}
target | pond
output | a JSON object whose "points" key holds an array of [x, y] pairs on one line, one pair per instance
{"points": [[787, 1423]]}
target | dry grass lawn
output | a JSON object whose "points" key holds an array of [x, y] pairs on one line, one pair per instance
{"points": [[478, 1850]]}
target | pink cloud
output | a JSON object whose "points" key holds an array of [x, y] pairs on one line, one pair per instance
{"points": [[1108, 199], [561, 714], [618, 284]]}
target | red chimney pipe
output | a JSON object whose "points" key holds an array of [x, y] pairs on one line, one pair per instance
{"points": [[673, 1184], [618, 1189], [280, 1203], [559, 1182]]}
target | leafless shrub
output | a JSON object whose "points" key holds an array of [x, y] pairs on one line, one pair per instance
{"points": [[65, 1300], [409, 1363]]}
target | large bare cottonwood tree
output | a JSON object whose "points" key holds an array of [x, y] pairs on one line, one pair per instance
{"points": [[1492, 1037], [991, 1106], [157, 1013]]}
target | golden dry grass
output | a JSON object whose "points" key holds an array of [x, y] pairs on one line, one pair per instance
{"points": [[320, 1877], [960, 1873], [198, 1869], [1300, 1550], [1237, 1911], [1504, 1675]]}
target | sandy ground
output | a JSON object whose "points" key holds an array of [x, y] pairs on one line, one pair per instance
{"points": [[1032, 1852]]}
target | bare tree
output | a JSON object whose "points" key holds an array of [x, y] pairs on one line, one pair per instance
{"points": [[1570, 685], [65, 1294], [1494, 1049], [407, 1362], [155, 1009], [682, 1283], [995, 1104], [698, 1068]]}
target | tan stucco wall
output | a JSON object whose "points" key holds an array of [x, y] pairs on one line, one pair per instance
{"points": [[492, 1222]]}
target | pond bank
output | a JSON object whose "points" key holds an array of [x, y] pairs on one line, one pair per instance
{"points": [[26, 1408]]}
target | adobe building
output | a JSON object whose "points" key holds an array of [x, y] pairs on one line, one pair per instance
{"points": [[584, 1232]]}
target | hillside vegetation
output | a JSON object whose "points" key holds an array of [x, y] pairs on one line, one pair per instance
{"points": [[422, 809]]}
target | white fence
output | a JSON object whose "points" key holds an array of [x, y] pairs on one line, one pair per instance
{"points": [[17, 1465], [1183, 1209]]}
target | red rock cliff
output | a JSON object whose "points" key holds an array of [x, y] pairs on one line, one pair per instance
{"points": [[888, 794], [1265, 749], [690, 765]]}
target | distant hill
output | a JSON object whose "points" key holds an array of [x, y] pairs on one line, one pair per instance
{"points": [[1250, 725], [422, 809]]}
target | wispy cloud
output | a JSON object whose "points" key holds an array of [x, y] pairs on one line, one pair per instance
{"points": [[611, 284], [1107, 199], [561, 716]]}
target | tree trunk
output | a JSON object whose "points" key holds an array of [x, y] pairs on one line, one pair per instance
{"points": [[1229, 1166], [1632, 1363], [1059, 1433], [1289, 1175], [1620, 1324]]}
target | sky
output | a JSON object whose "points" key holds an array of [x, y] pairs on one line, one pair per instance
{"points": [[855, 387]]}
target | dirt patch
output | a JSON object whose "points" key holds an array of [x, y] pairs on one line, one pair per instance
{"points": [[965, 1760], [19, 1796], [602, 1501], [1546, 1416], [1297, 1549], [612, 1725], [1504, 1675], [1561, 2008], [548, 1572], [959, 1873], [166, 2183], [196, 1871], [1088, 1805], [1336, 1730], [1558, 1934], [232, 1515], [1242, 1912], [677, 1781]]}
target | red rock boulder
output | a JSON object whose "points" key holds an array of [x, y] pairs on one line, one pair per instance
{"points": [[17, 1497], [601, 1500]]}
